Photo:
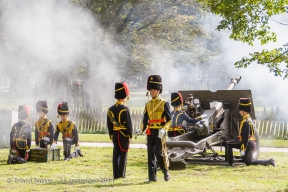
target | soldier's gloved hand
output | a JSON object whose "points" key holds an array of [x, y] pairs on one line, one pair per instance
{"points": [[37, 147], [137, 132], [242, 153], [130, 140], [53, 146], [76, 148], [161, 133], [201, 117], [27, 150]]}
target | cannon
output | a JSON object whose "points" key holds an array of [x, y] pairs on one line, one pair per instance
{"points": [[220, 124]]}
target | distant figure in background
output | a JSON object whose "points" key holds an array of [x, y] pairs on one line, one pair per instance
{"points": [[69, 133], [246, 140], [120, 129], [178, 116], [20, 136], [44, 130]]}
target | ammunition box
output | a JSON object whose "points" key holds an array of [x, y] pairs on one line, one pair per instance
{"points": [[44, 155]]}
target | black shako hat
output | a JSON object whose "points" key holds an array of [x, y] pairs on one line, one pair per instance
{"points": [[23, 111], [154, 82], [41, 106], [121, 90], [63, 109], [245, 104], [176, 99]]}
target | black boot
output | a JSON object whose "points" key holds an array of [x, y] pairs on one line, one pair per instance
{"points": [[67, 158], [152, 179], [80, 153], [272, 162], [10, 159], [229, 165], [166, 175]]}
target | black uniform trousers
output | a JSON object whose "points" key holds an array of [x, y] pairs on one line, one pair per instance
{"points": [[120, 158], [154, 149], [247, 158], [22, 152], [23, 155], [44, 142], [67, 142]]}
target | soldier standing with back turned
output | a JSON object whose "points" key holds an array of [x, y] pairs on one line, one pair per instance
{"points": [[120, 130], [156, 116]]}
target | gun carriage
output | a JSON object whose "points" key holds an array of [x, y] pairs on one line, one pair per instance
{"points": [[220, 123]]}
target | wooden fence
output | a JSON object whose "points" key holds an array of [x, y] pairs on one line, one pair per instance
{"points": [[94, 121]]}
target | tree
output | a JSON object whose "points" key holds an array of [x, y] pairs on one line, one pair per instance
{"points": [[174, 27], [248, 21]]}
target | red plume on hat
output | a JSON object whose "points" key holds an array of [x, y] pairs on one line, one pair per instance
{"points": [[176, 99], [63, 108], [121, 90]]}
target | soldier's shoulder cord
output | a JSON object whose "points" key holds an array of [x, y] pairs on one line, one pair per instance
{"points": [[46, 121], [112, 118], [67, 127]]}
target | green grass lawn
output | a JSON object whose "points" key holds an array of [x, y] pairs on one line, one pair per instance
{"points": [[93, 172], [142, 139]]}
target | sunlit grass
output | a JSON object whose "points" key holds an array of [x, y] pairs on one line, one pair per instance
{"points": [[93, 172]]}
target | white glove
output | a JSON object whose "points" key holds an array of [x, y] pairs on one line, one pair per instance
{"points": [[76, 148], [27, 150], [137, 132], [37, 147], [53, 146], [203, 116], [161, 133], [242, 153]]}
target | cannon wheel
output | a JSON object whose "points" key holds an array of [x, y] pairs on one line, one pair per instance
{"points": [[257, 150]]}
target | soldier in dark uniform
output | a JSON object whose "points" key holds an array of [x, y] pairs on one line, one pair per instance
{"points": [[179, 116], [20, 136], [44, 129], [69, 133], [120, 129], [156, 119], [246, 140]]}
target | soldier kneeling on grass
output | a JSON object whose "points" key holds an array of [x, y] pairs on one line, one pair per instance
{"points": [[20, 137], [44, 129], [69, 133], [246, 140]]}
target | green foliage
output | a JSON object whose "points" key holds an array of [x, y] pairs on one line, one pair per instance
{"points": [[248, 21], [174, 27]]}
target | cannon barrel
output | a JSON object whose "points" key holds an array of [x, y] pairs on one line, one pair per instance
{"points": [[233, 83]]}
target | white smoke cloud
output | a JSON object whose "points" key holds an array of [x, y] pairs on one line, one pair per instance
{"points": [[48, 38], [267, 89]]}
